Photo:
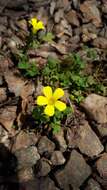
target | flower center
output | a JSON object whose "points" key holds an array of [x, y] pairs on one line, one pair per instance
{"points": [[51, 101]]}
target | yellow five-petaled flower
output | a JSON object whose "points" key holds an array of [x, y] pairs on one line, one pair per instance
{"points": [[36, 25], [50, 100]]}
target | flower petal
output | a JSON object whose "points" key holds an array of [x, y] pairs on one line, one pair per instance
{"points": [[33, 21], [40, 25], [61, 106], [49, 110], [41, 101], [58, 93], [47, 91]]}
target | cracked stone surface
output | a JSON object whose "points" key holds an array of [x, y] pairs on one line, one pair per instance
{"points": [[75, 172]]}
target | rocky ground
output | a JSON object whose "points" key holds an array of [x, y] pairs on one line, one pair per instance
{"points": [[76, 157]]}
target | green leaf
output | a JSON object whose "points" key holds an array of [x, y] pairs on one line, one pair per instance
{"points": [[68, 110], [48, 37], [56, 127], [52, 62], [39, 116], [23, 65], [33, 70]]}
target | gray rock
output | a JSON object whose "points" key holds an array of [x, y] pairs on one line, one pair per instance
{"points": [[24, 175], [100, 42], [85, 139], [27, 157], [3, 95], [4, 137], [91, 12], [104, 7], [52, 7], [39, 184], [102, 166], [16, 4], [76, 4], [65, 4], [45, 145], [57, 158], [106, 147], [1, 80], [24, 140], [75, 172], [42, 168], [7, 117], [96, 107], [3, 20], [72, 18], [59, 137], [102, 128], [93, 185], [58, 15], [2, 28]]}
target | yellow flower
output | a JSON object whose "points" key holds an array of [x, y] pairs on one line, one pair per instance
{"points": [[50, 100], [36, 25]]}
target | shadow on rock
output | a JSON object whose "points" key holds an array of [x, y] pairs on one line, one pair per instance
{"points": [[8, 167]]}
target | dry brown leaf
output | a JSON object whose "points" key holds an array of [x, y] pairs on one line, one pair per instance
{"points": [[15, 83], [7, 117], [5, 64], [60, 48], [18, 85]]}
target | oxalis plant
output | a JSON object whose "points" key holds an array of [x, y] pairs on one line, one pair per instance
{"points": [[57, 75], [50, 109]]}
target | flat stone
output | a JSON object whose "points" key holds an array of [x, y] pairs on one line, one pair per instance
{"points": [[72, 18], [59, 137], [57, 158], [62, 4], [102, 166], [39, 184], [102, 128], [4, 137], [43, 167], [58, 15], [1, 43], [45, 145], [75, 172], [1, 80], [25, 175], [22, 24], [52, 7], [24, 140], [5, 64], [2, 29], [84, 138], [27, 157], [93, 185], [96, 107], [7, 117], [104, 7], [17, 4], [3, 95], [89, 32], [18, 85], [76, 4], [100, 42], [106, 147], [91, 12]]}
